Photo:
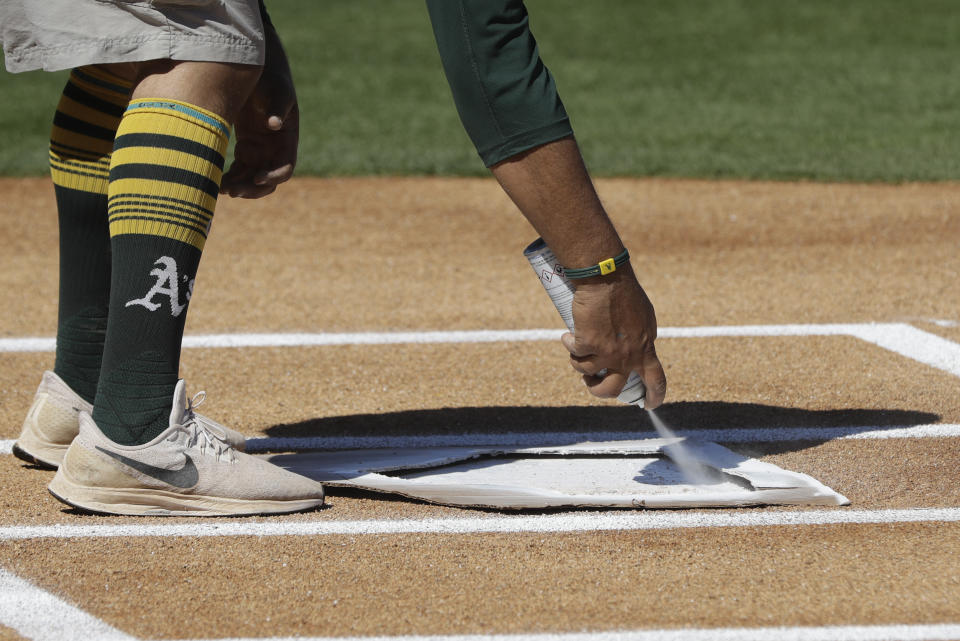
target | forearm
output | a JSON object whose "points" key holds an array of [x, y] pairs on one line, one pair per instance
{"points": [[551, 187], [615, 323]]}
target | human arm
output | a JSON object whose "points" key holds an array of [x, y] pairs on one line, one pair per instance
{"points": [[510, 108], [615, 324], [267, 128]]}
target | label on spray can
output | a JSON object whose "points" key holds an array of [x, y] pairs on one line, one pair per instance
{"points": [[551, 276], [561, 292]]}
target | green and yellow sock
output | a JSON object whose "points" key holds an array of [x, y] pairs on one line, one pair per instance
{"points": [[165, 175], [84, 127]]}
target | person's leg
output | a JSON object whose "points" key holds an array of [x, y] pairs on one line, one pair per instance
{"points": [[144, 450], [85, 125], [80, 145], [165, 172], [81, 141]]}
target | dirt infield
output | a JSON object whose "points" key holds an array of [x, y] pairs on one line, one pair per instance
{"points": [[430, 254]]}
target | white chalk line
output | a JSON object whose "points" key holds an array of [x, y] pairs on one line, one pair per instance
{"points": [[20, 602], [307, 339], [580, 521], [914, 343], [901, 338], [36, 614], [311, 339], [539, 439], [920, 632]]}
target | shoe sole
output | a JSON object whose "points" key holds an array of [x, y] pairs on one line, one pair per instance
{"points": [[32, 450], [151, 502]]}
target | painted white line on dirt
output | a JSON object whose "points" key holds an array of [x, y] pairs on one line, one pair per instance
{"points": [[914, 343], [542, 523], [934, 632], [37, 614], [369, 338], [928, 632], [898, 337], [28, 344], [715, 331], [538, 439], [307, 339], [304, 339]]}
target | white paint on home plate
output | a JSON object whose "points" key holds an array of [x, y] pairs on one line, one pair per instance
{"points": [[625, 474]]}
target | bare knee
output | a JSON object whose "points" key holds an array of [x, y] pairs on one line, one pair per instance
{"points": [[219, 87]]}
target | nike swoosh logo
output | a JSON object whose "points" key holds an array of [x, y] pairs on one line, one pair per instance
{"points": [[184, 478]]}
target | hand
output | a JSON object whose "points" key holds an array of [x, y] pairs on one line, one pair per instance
{"points": [[267, 129], [615, 328]]}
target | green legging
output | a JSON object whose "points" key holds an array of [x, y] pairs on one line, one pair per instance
{"points": [[506, 97]]}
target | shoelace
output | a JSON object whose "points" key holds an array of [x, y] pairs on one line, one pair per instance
{"points": [[203, 433]]}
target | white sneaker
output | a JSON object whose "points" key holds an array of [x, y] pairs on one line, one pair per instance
{"points": [[189, 469], [53, 422]]}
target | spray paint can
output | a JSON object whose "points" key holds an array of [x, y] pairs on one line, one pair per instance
{"points": [[561, 291]]}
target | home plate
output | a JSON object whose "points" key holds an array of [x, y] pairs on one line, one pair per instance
{"points": [[624, 474]]}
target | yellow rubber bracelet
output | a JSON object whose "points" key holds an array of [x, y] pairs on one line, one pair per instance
{"points": [[602, 268]]}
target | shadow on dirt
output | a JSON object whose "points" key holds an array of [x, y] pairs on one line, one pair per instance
{"points": [[686, 416]]}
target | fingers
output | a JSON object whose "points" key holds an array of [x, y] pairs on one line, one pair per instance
{"points": [[246, 184], [569, 342], [582, 362], [239, 182], [260, 165], [274, 176], [655, 380], [598, 381], [249, 191], [231, 182], [607, 386], [604, 384]]}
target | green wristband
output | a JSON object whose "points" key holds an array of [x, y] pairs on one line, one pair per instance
{"points": [[603, 268]]}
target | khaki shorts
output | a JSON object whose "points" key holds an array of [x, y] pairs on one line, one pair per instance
{"points": [[62, 34]]}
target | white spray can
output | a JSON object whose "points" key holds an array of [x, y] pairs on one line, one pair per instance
{"points": [[561, 291]]}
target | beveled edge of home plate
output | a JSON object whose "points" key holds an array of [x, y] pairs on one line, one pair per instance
{"points": [[363, 469]]}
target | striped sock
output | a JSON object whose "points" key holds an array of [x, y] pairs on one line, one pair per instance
{"points": [[164, 179], [80, 144]]}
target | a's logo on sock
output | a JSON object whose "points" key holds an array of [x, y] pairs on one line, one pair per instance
{"points": [[168, 284]]}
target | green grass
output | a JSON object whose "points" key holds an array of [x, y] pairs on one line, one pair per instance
{"points": [[860, 90]]}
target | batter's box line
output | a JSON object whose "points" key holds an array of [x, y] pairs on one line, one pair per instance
{"points": [[38, 615], [900, 338]]}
